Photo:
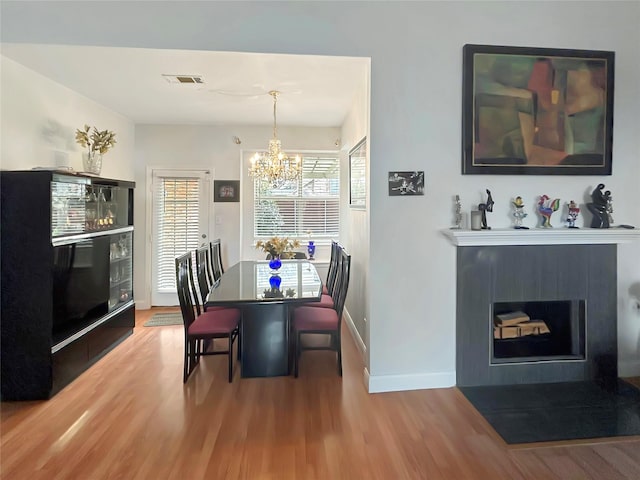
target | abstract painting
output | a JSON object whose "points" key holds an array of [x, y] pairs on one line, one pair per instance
{"points": [[537, 111]]}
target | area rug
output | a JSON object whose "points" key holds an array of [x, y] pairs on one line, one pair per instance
{"points": [[163, 319], [558, 411]]}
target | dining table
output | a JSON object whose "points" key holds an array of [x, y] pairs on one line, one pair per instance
{"points": [[265, 298]]}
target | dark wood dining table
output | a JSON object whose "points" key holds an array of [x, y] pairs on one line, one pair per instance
{"points": [[264, 329]]}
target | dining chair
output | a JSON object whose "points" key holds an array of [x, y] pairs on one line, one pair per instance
{"points": [[327, 288], [203, 273], [327, 299], [215, 255], [203, 327], [310, 320]]}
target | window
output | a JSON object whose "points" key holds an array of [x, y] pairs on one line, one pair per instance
{"points": [[310, 203]]}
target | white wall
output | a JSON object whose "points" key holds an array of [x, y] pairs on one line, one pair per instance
{"points": [[39, 118], [210, 148], [416, 56], [355, 233]]}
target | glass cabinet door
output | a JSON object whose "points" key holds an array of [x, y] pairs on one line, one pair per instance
{"points": [[121, 269], [80, 205]]}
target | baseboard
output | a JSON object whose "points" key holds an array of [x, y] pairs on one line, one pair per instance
{"points": [[142, 305], [628, 368], [355, 334], [418, 381]]}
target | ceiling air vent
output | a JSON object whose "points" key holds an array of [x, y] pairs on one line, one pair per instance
{"points": [[184, 79]]}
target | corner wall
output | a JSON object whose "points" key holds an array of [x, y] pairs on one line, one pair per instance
{"points": [[39, 118]]}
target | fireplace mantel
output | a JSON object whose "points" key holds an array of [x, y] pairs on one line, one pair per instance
{"points": [[541, 236]]}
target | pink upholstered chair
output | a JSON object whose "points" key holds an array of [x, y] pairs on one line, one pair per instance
{"points": [[314, 320], [328, 289], [200, 328]]}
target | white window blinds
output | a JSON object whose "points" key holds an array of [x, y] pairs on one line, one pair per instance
{"points": [[177, 210], [310, 203]]}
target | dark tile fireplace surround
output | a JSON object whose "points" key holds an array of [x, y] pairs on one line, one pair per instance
{"points": [[573, 286]]}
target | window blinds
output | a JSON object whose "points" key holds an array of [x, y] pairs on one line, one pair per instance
{"points": [[177, 210], [310, 203]]}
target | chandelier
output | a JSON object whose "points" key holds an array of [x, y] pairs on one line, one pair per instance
{"points": [[275, 166]]}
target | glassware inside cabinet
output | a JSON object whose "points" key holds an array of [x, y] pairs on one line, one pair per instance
{"points": [[121, 269], [67, 208]]}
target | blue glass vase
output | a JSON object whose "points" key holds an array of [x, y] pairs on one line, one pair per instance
{"points": [[275, 263], [274, 282], [311, 249]]}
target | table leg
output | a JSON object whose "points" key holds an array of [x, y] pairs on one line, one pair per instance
{"points": [[265, 340]]}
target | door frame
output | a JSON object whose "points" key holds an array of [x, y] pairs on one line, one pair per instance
{"points": [[144, 303]]}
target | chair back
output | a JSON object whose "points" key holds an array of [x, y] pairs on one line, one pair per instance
{"points": [[342, 284], [184, 283], [203, 274], [332, 274], [215, 254]]}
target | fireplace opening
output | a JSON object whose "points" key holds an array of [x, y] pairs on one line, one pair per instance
{"points": [[538, 331]]}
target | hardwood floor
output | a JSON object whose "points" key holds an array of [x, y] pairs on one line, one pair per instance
{"points": [[130, 417]]}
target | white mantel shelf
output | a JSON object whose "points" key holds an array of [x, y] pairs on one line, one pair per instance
{"points": [[541, 236]]}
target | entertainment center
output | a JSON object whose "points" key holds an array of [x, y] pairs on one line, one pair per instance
{"points": [[67, 277]]}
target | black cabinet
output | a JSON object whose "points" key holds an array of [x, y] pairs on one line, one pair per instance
{"points": [[67, 277]]}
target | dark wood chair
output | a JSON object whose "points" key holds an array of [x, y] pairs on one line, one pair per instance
{"points": [[215, 256], [203, 273], [201, 328], [312, 320], [328, 289]]}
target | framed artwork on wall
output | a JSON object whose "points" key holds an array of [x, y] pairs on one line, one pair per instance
{"points": [[537, 111], [406, 183], [226, 190], [358, 175]]}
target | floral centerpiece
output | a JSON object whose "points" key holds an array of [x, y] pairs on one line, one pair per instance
{"points": [[98, 142], [278, 246]]}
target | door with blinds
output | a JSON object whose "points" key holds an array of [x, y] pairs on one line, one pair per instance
{"points": [[180, 223]]}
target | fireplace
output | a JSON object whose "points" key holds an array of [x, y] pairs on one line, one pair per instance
{"points": [[572, 288], [548, 331]]}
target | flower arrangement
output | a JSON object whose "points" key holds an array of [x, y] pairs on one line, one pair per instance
{"points": [[278, 246], [95, 140]]}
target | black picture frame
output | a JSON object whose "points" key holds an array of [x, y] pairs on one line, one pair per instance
{"points": [[226, 190], [537, 111], [358, 175], [406, 184]]}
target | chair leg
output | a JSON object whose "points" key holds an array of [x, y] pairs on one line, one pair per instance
{"points": [[296, 356], [230, 357], [185, 368], [238, 351], [339, 347]]}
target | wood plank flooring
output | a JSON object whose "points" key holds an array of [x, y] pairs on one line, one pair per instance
{"points": [[130, 417]]}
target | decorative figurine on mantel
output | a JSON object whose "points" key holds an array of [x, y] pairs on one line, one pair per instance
{"points": [[484, 208], [458, 217], [546, 207], [519, 214], [609, 198], [598, 207], [574, 210]]}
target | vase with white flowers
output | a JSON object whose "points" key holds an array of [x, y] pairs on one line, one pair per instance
{"points": [[98, 142]]}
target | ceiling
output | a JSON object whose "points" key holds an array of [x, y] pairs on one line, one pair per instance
{"points": [[315, 91]]}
